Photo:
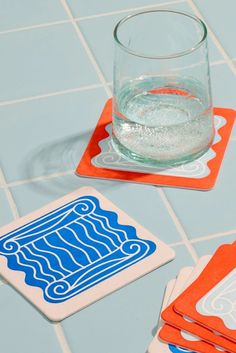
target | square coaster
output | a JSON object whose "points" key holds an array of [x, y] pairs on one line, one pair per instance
{"points": [[210, 300], [183, 321], [179, 337], [100, 160], [75, 251]]}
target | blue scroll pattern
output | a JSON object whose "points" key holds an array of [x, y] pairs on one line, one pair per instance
{"points": [[175, 349], [73, 248]]}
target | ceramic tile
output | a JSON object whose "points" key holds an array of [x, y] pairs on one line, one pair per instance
{"points": [[124, 321], [209, 212], [90, 7], [103, 27], [5, 211], [16, 14], [223, 96], [220, 16], [46, 136], [210, 246], [223, 86], [51, 133], [129, 197], [41, 61], [31, 331]]}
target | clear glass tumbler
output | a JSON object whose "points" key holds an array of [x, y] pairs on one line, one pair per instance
{"points": [[162, 106]]}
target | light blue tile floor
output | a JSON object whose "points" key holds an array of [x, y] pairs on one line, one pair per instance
{"points": [[220, 15], [47, 136], [17, 14], [103, 49], [204, 213], [210, 246], [126, 320], [5, 211], [90, 7], [23, 328], [41, 61], [51, 133], [152, 214]]}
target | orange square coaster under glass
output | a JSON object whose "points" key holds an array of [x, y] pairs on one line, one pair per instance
{"points": [[100, 160]]}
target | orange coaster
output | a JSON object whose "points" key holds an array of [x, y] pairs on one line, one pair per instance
{"points": [[210, 300], [222, 262], [100, 160]]}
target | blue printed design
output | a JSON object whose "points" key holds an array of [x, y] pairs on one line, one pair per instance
{"points": [[175, 349], [73, 248]]}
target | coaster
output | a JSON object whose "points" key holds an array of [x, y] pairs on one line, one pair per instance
{"points": [[156, 346], [179, 337], [174, 288], [210, 300], [75, 251], [185, 322], [184, 276], [100, 160]]}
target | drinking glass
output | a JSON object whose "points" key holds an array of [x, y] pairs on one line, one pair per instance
{"points": [[162, 106]]}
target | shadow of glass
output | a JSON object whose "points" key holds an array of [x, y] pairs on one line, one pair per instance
{"points": [[54, 164], [57, 156]]}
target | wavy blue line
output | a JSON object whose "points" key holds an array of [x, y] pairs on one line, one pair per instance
{"points": [[38, 256], [37, 265], [112, 218], [100, 225], [42, 246], [47, 218], [101, 276], [13, 264], [70, 237], [90, 236], [92, 230], [69, 262]]}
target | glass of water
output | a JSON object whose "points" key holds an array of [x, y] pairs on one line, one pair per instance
{"points": [[162, 106]]}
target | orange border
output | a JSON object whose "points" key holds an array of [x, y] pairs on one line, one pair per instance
{"points": [[187, 299], [86, 168], [173, 335], [216, 270]]}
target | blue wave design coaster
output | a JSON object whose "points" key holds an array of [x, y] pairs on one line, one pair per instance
{"points": [[75, 251]]}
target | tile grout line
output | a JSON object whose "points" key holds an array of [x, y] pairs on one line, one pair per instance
{"points": [[40, 25], [217, 62], [73, 90], [178, 225], [64, 344], [213, 236], [173, 245], [9, 196], [214, 37], [69, 172], [52, 94], [36, 179], [59, 22], [61, 338], [138, 8], [86, 47]]}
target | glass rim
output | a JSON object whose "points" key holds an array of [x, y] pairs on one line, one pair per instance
{"points": [[170, 56]]}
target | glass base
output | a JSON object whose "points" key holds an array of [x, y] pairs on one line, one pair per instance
{"points": [[134, 157]]}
